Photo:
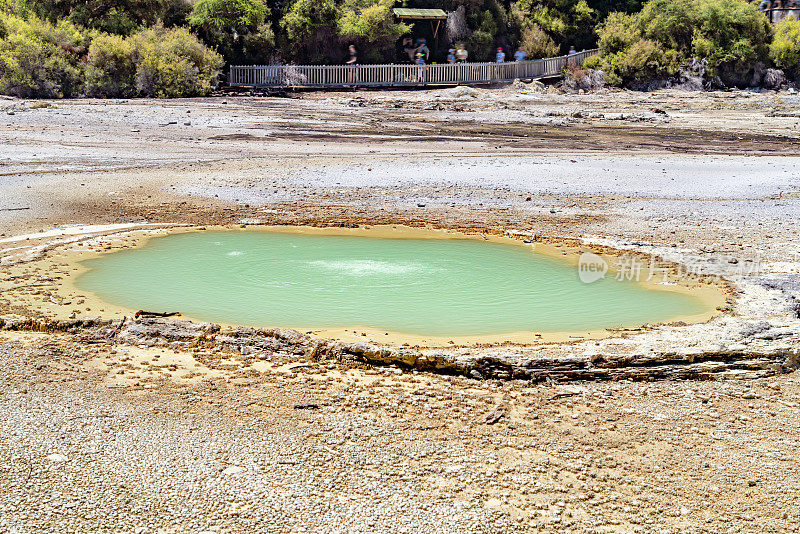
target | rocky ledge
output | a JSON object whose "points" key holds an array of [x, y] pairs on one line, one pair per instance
{"points": [[769, 351]]}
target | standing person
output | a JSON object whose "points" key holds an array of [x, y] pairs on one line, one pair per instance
{"points": [[420, 58], [409, 48], [572, 51], [353, 56], [520, 54], [451, 56], [500, 57], [423, 49], [353, 62], [461, 54]]}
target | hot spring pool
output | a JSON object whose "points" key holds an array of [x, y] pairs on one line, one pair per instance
{"points": [[427, 287]]}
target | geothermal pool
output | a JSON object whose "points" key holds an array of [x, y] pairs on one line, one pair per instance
{"points": [[428, 287]]}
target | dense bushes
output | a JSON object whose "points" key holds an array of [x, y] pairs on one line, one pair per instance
{"points": [[126, 48], [785, 47], [172, 63], [110, 69], [731, 35], [41, 59], [155, 62]]}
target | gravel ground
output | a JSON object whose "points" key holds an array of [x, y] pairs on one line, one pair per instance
{"points": [[96, 439], [386, 451]]}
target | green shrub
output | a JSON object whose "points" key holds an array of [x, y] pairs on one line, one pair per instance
{"points": [[732, 35], [566, 22], [14, 7], [110, 69], [537, 43], [173, 63], [785, 47], [481, 43], [40, 59]]}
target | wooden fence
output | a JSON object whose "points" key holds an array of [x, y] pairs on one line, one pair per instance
{"points": [[298, 76]]}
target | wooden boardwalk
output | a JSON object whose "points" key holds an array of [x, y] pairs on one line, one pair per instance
{"points": [[299, 76]]}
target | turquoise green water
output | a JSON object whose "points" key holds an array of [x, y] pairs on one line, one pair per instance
{"points": [[414, 286]]}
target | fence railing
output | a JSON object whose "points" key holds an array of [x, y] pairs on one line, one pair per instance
{"points": [[777, 14], [399, 75]]}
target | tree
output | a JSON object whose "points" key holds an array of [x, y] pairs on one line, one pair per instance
{"points": [[120, 17], [240, 29], [370, 24], [566, 22], [318, 31], [310, 28]]}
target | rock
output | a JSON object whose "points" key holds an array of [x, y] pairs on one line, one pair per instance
{"points": [[584, 80], [526, 88], [233, 470], [141, 530], [497, 414], [57, 458], [773, 79], [462, 92]]}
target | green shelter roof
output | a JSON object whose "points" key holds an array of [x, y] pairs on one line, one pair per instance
{"points": [[419, 14]]}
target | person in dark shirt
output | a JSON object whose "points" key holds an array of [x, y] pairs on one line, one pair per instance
{"points": [[353, 56], [409, 48]]}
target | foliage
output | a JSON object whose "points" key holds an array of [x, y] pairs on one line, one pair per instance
{"points": [[46, 60], [732, 35], [310, 27], [568, 22], [229, 15], [370, 25], [14, 7], [370, 20], [173, 63], [481, 43], [537, 43], [785, 47], [111, 67], [318, 31], [121, 16], [40, 59], [239, 29], [64, 47]]}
